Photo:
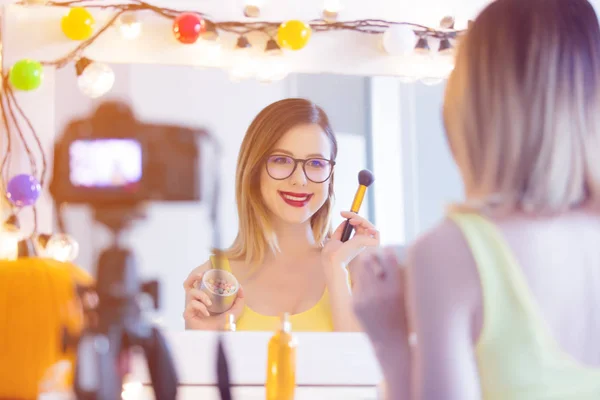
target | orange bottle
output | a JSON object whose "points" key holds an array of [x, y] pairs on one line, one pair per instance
{"points": [[281, 363]]}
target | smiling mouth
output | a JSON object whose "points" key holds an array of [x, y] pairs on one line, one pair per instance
{"points": [[296, 199]]}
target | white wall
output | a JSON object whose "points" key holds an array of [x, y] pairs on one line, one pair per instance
{"points": [[438, 182], [412, 159], [177, 237]]}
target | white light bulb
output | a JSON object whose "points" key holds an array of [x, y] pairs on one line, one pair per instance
{"points": [[212, 53], [332, 6], [129, 26], [271, 68], [132, 391], [96, 80], [62, 247], [243, 65], [399, 40], [9, 243]]}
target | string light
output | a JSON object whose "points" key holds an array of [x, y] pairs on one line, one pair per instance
{"points": [[188, 27], [93, 78], [331, 9], [78, 24], [59, 246], [399, 40], [129, 26], [36, 2], [10, 235], [422, 46], [447, 22], [243, 64], [132, 391], [445, 46], [252, 8], [272, 65], [26, 75], [210, 31]]}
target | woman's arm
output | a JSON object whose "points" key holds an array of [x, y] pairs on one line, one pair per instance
{"points": [[340, 297], [443, 295], [379, 303], [338, 258], [436, 298]]}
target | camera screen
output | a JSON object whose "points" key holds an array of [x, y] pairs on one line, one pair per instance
{"points": [[105, 163]]}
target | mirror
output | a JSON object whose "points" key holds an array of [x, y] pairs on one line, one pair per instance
{"points": [[177, 237]]}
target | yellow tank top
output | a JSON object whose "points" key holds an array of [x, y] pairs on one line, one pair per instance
{"points": [[316, 319], [517, 356]]}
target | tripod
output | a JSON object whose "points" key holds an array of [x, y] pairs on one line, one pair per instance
{"points": [[115, 324]]}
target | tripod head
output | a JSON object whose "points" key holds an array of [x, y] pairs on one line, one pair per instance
{"points": [[115, 323]]}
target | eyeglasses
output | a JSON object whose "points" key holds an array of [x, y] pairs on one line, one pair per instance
{"points": [[317, 170]]}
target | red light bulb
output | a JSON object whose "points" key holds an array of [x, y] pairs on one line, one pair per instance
{"points": [[188, 27]]}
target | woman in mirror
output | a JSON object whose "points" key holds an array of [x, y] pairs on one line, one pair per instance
{"points": [[285, 256], [503, 295]]}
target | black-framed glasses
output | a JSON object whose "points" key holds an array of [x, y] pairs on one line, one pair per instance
{"points": [[317, 170]]}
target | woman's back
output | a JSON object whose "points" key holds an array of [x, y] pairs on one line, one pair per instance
{"points": [[560, 260], [534, 303]]}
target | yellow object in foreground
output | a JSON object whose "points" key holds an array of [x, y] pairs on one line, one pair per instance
{"points": [[37, 300], [281, 363]]}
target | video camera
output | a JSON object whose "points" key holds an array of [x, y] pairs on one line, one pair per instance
{"points": [[112, 159], [115, 163]]}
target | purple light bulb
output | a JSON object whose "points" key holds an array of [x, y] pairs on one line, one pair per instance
{"points": [[23, 190]]}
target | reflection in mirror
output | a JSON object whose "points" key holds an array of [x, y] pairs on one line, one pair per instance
{"points": [[299, 162]]}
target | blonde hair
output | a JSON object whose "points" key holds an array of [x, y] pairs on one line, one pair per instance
{"points": [[256, 234], [521, 108]]}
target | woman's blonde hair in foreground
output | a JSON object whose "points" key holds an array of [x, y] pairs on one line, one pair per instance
{"points": [[256, 235], [522, 107]]}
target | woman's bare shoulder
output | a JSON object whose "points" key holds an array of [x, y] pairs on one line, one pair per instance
{"points": [[442, 259], [443, 241]]}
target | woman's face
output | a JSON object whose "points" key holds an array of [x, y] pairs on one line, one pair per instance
{"points": [[295, 190]]}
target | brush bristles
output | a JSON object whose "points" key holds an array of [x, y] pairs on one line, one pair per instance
{"points": [[365, 178]]}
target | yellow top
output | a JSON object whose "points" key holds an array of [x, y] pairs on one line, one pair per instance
{"points": [[517, 356], [316, 319]]}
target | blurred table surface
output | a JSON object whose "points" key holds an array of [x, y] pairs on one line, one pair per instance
{"points": [[258, 393], [329, 366]]}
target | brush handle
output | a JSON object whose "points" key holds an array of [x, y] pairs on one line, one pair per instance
{"points": [[347, 232]]}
